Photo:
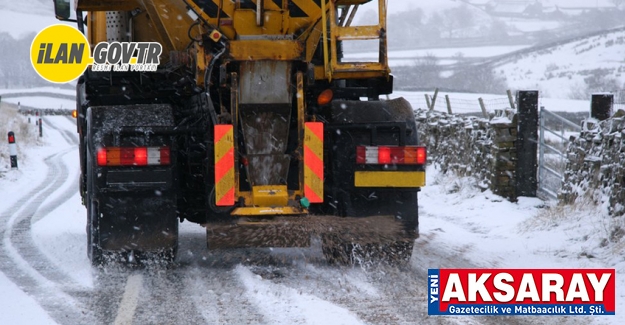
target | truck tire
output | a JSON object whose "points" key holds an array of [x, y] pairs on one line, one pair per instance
{"points": [[94, 251]]}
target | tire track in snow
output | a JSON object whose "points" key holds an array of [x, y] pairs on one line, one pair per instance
{"points": [[21, 234], [220, 297], [22, 262], [352, 289], [285, 305], [164, 300]]}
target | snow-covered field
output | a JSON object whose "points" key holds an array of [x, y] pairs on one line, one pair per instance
{"points": [[468, 103], [462, 52], [22, 24], [560, 71], [42, 102]]}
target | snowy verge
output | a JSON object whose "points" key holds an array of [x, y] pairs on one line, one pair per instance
{"points": [[471, 228], [17, 307]]}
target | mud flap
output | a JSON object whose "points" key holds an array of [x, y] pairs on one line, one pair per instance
{"points": [[147, 224]]}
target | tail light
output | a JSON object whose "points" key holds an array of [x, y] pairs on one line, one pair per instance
{"points": [[384, 155], [133, 156]]}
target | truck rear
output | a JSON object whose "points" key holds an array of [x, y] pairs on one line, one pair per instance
{"points": [[253, 126]]}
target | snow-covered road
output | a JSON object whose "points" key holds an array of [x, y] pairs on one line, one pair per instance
{"points": [[46, 277]]}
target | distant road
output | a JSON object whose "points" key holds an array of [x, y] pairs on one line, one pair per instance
{"points": [[39, 94]]}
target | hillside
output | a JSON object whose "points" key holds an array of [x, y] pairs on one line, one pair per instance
{"points": [[570, 70], [22, 18]]}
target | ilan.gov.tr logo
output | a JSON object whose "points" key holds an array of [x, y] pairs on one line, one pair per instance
{"points": [[61, 53]]}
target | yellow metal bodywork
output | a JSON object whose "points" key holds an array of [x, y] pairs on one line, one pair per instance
{"points": [[96, 27], [257, 50], [270, 195], [268, 211], [284, 33], [389, 179]]}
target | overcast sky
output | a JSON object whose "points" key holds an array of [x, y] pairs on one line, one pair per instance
{"points": [[400, 5]]}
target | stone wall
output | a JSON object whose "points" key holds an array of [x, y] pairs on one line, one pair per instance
{"points": [[484, 148], [596, 164]]}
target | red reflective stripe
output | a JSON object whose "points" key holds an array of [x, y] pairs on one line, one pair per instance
{"points": [[227, 199], [102, 157], [221, 130], [11, 139], [141, 156], [165, 156], [361, 155], [313, 162], [311, 195], [397, 155], [316, 128], [127, 156], [224, 165]]}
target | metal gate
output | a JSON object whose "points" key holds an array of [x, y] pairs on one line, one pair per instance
{"points": [[553, 141]]}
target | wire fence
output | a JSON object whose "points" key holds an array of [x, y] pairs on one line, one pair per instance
{"points": [[497, 103], [456, 105]]}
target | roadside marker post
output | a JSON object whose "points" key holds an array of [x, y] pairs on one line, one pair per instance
{"points": [[12, 149], [40, 128]]}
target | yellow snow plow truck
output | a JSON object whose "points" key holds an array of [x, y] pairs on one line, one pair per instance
{"points": [[253, 125]]}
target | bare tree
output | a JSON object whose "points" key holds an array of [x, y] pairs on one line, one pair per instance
{"points": [[458, 17]]}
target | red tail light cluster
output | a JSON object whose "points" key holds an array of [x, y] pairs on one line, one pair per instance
{"points": [[383, 155], [133, 156]]}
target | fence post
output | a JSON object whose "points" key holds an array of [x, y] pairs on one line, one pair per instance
{"points": [[434, 98], [427, 102], [510, 99], [541, 148], [12, 149], [448, 104], [527, 143], [483, 107], [601, 106]]}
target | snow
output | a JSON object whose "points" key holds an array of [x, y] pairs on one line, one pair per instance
{"points": [[12, 188], [468, 102], [486, 231], [459, 225], [284, 305], [532, 25], [464, 52], [579, 3], [42, 102], [57, 90], [559, 70], [17, 308], [19, 24], [428, 7]]}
